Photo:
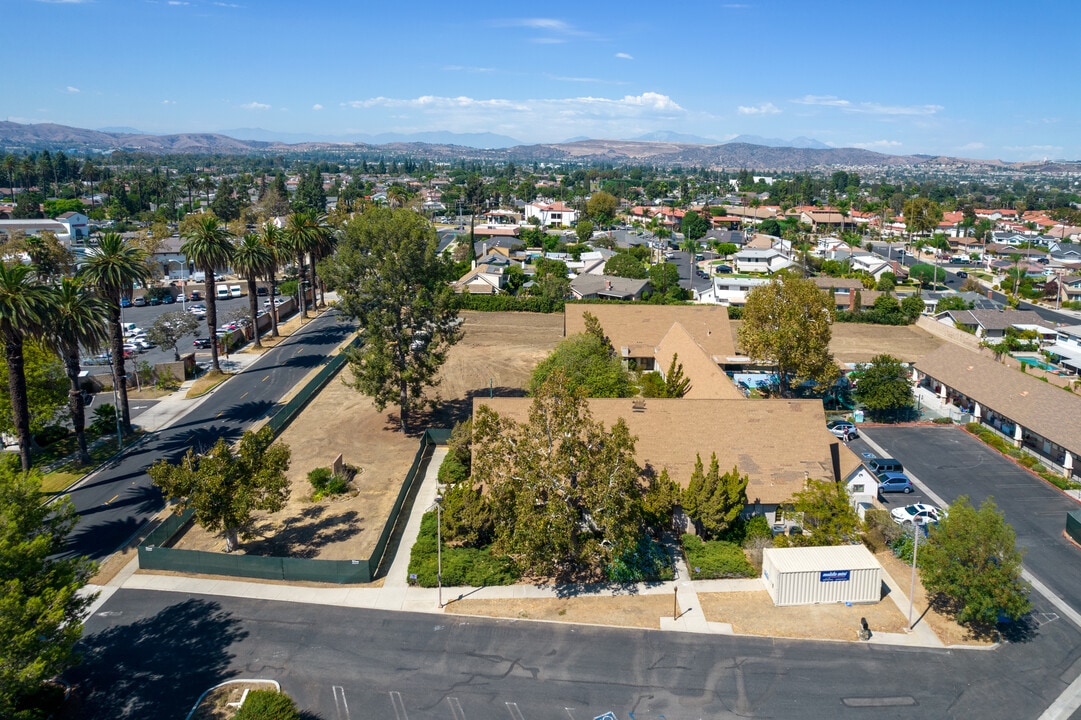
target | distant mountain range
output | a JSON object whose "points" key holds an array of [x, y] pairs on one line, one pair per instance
{"points": [[661, 148]]}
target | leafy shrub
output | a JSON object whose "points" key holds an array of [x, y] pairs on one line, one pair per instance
{"points": [[324, 483], [715, 559], [880, 531], [648, 560], [104, 419], [757, 528], [942, 421], [475, 567], [267, 705], [50, 434], [452, 471]]}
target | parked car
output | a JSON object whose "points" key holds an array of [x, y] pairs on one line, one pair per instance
{"points": [[891, 482], [168, 299], [195, 295], [262, 291], [919, 514], [125, 302], [154, 301], [881, 465], [201, 342], [838, 427], [961, 274], [139, 302]]}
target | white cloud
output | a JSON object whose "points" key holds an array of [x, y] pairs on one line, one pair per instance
{"points": [[557, 31], [534, 118], [876, 144], [867, 108], [177, 2], [972, 146], [317, 106], [72, 89], [624, 56], [228, 5], [878, 109], [255, 106], [168, 102], [828, 100], [763, 109]]}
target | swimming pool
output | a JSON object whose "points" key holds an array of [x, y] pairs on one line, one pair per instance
{"points": [[1040, 364]]}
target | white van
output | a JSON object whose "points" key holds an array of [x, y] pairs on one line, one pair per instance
{"points": [[222, 292], [234, 291]]}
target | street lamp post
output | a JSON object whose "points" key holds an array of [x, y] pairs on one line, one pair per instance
{"points": [[912, 588], [116, 405], [438, 505]]}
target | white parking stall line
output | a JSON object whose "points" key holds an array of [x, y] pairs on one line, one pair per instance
{"points": [[570, 712], [340, 703], [398, 705], [456, 708], [515, 713]]}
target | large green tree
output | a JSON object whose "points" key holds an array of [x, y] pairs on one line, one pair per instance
{"points": [[168, 329], [884, 387], [565, 491], [40, 606], [922, 215], [972, 563], [389, 277], [625, 265], [788, 322], [114, 267], [310, 196], [714, 500], [694, 226], [77, 322], [24, 307], [226, 485], [601, 207], [207, 243], [664, 277], [588, 365], [828, 515]]}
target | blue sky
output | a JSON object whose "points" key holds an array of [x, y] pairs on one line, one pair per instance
{"points": [[952, 77]]}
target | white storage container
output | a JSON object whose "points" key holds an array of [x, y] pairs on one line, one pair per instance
{"points": [[814, 575]]}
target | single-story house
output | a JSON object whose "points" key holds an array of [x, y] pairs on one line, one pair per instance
{"points": [[610, 287], [769, 261]]}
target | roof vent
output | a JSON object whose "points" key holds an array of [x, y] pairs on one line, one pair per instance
{"points": [[638, 406]]}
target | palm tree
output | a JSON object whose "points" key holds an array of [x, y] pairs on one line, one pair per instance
{"points": [[76, 321], [252, 259], [324, 246], [23, 309], [208, 245], [114, 267], [272, 237], [302, 236]]}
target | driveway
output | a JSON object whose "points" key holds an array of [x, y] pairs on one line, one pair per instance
{"points": [[952, 463]]}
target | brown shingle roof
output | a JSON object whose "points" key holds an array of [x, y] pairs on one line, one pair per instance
{"points": [[646, 325], [1044, 409], [707, 379], [778, 444]]}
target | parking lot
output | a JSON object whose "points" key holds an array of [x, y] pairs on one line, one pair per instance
{"points": [[144, 317], [950, 462]]}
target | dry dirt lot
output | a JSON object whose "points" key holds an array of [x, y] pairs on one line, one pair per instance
{"points": [[499, 349], [858, 343]]}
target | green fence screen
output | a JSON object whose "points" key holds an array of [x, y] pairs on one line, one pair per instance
{"points": [[1073, 525]]}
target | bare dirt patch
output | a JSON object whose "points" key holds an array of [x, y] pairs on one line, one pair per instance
{"points": [[639, 611], [498, 350], [859, 343], [753, 613]]}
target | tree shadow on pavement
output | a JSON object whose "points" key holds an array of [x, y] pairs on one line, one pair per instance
{"points": [[303, 536], [155, 667], [445, 413]]}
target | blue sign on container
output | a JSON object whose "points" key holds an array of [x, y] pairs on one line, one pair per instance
{"points": [[834, 575]]}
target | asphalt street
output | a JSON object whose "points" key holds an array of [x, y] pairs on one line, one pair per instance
{"points": [[953, 463], [151, 654], [113, 503]]}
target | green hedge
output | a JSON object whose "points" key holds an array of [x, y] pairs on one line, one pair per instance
{"points": [[461, 566], [715, 559], [993, 439], [267, 705], [507, 303]]}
